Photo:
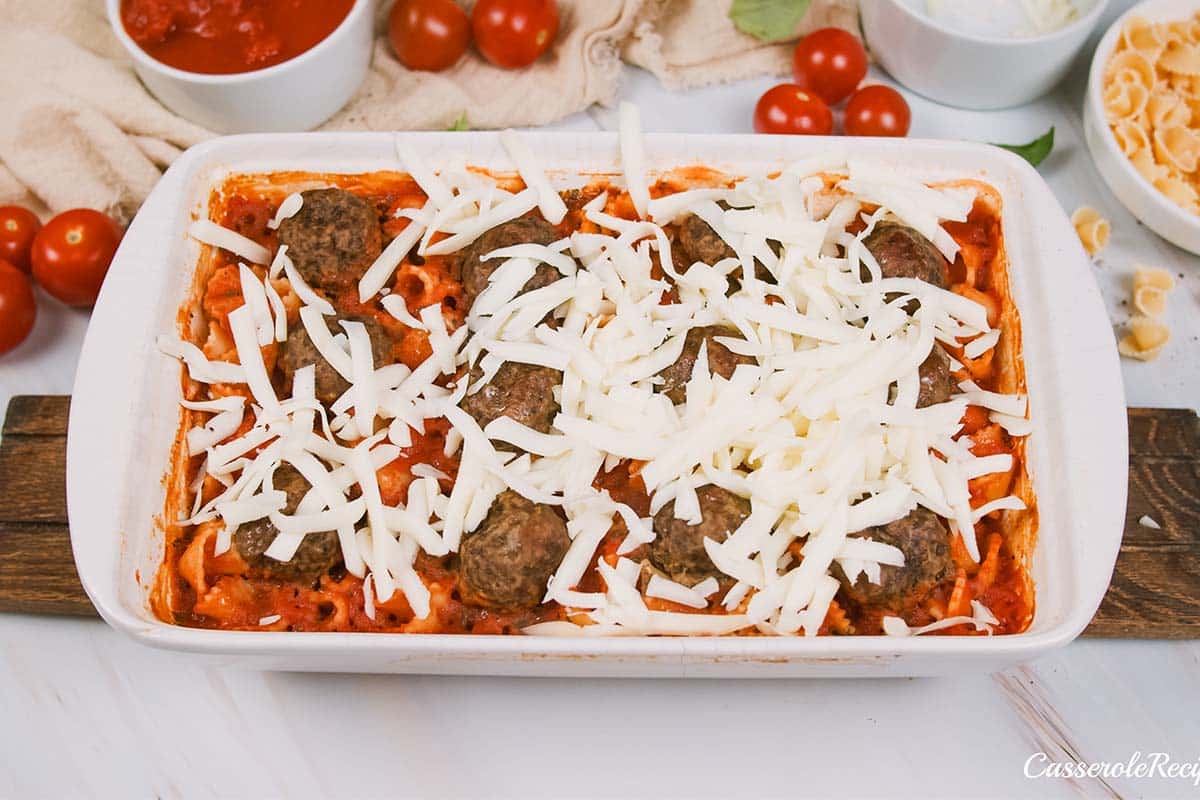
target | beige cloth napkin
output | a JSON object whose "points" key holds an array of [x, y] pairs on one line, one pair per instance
{"points": [[78, 129], [690, 43]]}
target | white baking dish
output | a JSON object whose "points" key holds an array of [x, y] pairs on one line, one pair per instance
{"points": [[124, 416]]}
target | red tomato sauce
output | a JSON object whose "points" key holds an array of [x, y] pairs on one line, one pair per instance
{"points": [[222, 37]]}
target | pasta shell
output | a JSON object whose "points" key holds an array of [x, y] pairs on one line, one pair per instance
{"points": [[1093, 230], [1124, 100], [1143, 161], [1181, 57], [1154, 277], [1179, 192], [1131, 137], [1177, 146], [1128, 348], [1150, 301], [1132, 60], [1148, 333], [1166, 107], [1143, 36]]}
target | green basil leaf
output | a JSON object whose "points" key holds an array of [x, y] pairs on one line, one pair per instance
{"points": [[768, 20], [1036, 151], [460, 124]]}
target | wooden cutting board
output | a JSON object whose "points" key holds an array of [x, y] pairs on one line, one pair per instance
{"points": [[1155, 591]]}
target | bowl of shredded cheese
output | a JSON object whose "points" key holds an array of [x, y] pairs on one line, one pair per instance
{"points": [[979, 54], [1142, 116]]}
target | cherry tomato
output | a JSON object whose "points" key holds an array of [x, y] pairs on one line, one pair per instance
{"points": [[17, 307], [514, 33], [17, 229], [877, 111], [829, 63], [787, 108], [428, 35], [72, 253]]}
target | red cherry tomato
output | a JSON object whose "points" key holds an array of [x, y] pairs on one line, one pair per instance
{"points": [[18, 226], [787, 108], [829, 63], [72, 253], [17, 307], [428, 35], [877, 111], [514, 33]]}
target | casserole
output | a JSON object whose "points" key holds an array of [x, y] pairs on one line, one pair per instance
{"points": [[1070, 578]]}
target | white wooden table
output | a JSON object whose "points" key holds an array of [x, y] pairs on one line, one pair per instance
{"points": [[83, 712]]}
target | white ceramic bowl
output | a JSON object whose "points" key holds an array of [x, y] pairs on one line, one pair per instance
{"points": [[125, 413], [966, 70], [1137, 194], [296, 95]]}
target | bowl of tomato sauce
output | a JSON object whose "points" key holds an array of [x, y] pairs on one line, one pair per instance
{"points": [[236, 66]]}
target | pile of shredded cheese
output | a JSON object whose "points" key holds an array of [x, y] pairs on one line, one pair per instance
{"points": [[822, 435]]}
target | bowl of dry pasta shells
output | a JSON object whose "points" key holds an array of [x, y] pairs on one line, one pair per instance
{"points": [[1142, 116]]}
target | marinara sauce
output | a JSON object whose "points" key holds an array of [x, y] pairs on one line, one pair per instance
{"points": [[222, 37]]}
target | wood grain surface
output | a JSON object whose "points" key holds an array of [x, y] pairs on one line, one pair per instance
{"points": [[1155, 591]]}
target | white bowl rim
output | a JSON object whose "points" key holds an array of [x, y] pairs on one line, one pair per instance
{"points": [[1100, 58], [139, 55], [1087, 19]]}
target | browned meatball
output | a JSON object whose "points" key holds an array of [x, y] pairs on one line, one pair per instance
{"points": [[721, 360], [701, 243], [525, 230], [937, 384], [904, 253], [507, 561], [316, 554], [678, 548], [524, 392], [925, 541], [298, 351], [333, 238]]}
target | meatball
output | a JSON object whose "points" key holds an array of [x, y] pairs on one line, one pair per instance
{"points": [[678, 549], [701, 243], [524, 392], [333, 238], [937, 384], [904, 253], [721, 360], [925, 541], [298, 351], [507, 561], [316, 554], [525, 230]]}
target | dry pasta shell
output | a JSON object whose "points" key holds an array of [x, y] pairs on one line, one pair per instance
{"points": [[1179, 192], [1180, 57], [1092, 229], [1143, 161], [1150, 301], [1128, 348], [1155, 277], [1124, 100], [1166, 107], [1132, 60], [1131, 137], [1148, 333], [1143, 36], [1177, 146]]}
